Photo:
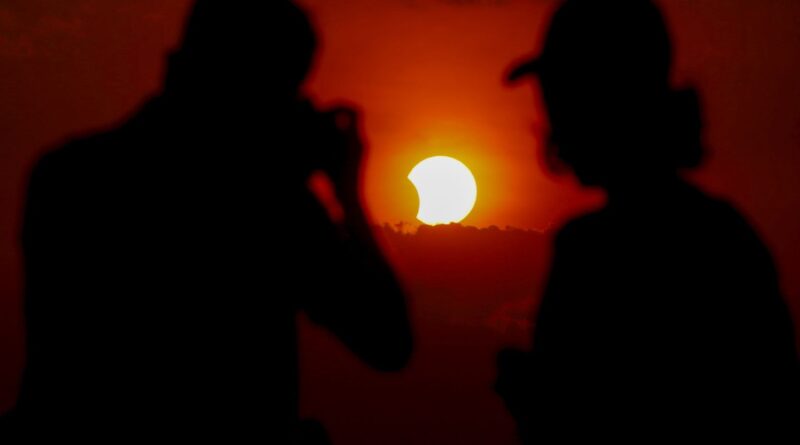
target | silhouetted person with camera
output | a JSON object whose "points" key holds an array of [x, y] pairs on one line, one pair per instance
{"points": [[166, 260], [662, 316]]}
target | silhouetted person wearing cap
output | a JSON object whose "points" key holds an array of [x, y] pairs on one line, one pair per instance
{"points": [[662, 317], [166, 260]]}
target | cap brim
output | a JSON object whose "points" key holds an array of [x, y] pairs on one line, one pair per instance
{"points": [[527, 68]]}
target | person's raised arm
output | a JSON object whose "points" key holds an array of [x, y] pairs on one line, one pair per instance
{"points": [[360, 299]]}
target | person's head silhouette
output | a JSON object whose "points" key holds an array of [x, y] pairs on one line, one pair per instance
{"points": [[236, 52], [604, 72]]}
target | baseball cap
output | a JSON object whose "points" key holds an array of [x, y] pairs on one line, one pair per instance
{"points": [[602, 37]]}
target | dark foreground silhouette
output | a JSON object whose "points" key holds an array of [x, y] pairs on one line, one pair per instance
{"points": [[662, 316], [166, 260]]}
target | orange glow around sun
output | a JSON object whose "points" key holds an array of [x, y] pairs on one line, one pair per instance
{"points": [[424, 89]]}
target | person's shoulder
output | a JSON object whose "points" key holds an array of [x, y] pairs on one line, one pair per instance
{"points": [[74, 156], [83, 155], [728, 228], [63, 172], [723, 217]]}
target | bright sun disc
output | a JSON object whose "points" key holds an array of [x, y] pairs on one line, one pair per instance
{"points": [[447, 190]]}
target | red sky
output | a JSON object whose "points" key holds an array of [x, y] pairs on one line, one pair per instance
{"points": [[427, 75]]}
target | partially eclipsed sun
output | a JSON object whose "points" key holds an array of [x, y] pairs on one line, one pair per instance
{"points": [[447, 190]]}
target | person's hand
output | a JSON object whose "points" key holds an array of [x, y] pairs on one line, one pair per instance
{"points": [[344, 168]]}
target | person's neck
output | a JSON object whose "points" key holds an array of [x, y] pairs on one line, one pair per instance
{"points": [[646, 191]]}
